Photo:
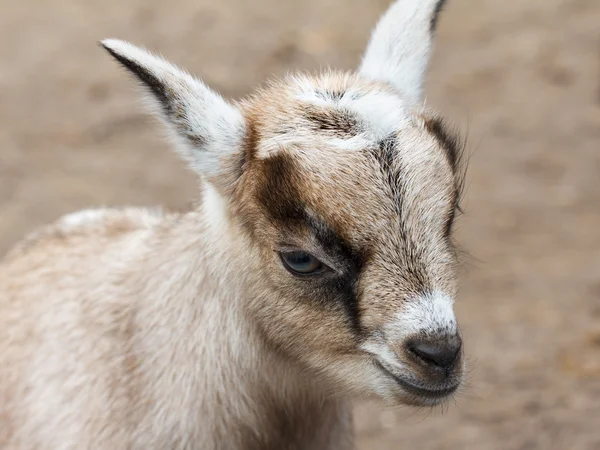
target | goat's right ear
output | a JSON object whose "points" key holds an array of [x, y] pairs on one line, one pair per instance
{"points": [[208, 130]]}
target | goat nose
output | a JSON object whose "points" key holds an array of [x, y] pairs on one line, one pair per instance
{"points": [[436, 352]]}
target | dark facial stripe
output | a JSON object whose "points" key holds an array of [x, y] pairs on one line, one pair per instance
{"points": [[346, 285], [453, 148], [449, 141], [280, 199], [450, 220], [384, 155], [334, 244], [279, 194]]}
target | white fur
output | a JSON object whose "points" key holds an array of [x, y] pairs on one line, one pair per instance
{"points": [[308, 94], [399, 49], [86, 218], [431, 314], [215, 209], [384, 112], [205, 113], [83, 217], [378, 346]]}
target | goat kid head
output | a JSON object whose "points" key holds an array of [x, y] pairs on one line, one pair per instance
{"points": [[345, 189]]}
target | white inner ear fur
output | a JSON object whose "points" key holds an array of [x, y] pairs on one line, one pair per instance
{"points": [[205, 127], [398, 52]]}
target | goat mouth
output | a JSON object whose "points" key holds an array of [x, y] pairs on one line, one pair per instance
{"points": [[419, 391]]}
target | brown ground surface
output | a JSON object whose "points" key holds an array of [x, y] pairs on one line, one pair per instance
{"points": [[523, 77]]}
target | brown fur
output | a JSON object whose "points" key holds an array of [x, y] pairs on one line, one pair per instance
{"points": [[132, 329]]}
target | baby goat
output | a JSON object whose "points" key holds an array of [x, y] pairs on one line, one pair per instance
{"points": [[318, 266]]}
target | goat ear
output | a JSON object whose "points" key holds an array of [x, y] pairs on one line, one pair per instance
{"points": [[207, 129], [398, 52]]}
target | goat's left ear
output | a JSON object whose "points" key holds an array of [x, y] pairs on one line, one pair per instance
{"points": [[209, 131], [398, 52]]}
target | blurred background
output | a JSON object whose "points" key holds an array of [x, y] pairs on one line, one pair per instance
{"points": [[521, 79]]}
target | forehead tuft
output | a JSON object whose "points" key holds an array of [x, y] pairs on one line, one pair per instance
{"points": [[339, 109], [342, 109]]}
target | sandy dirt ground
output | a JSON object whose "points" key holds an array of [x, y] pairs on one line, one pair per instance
{"points": [[521, 78]]}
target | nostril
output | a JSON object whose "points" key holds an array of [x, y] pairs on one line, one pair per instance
{"points": [[434, 352]]}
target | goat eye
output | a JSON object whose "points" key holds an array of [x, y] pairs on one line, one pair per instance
{"points": [[301, 263]]}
